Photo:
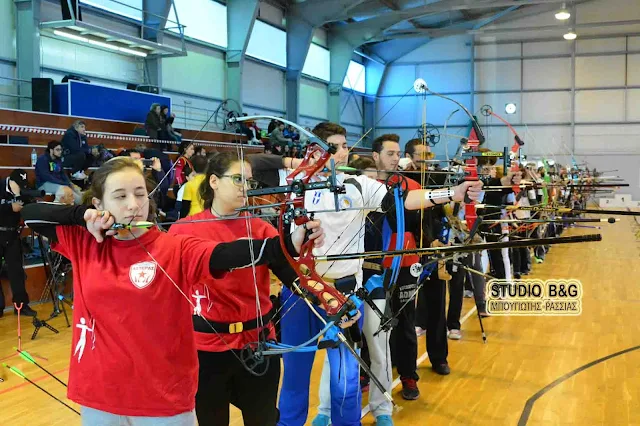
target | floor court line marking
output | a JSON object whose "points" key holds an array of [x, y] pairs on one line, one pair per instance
{"points": [[38, 379], [528, 407], [419, 361]]}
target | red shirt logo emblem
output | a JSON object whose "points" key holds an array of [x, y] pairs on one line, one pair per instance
{"points": [[142, 274]]}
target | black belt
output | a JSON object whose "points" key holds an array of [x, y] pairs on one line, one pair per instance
{"points": [[200, 324], [345, 285]]}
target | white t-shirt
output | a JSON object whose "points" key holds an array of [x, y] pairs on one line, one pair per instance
{"points": [[344, 230]]}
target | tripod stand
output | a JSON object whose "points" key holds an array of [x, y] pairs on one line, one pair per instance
{"points": [[57, 269]]}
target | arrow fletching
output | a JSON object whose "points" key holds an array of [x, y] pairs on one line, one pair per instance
{"points": [[26, 356], [15, 371]]}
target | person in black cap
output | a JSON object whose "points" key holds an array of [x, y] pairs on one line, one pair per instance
{"points": [[11, 202]]}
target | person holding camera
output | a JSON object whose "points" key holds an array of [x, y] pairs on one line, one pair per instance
{"points": [[14, 193]]}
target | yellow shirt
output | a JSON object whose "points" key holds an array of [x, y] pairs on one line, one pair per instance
{"points": [[191, 193]]}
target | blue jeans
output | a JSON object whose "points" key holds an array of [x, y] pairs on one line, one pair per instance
{"points": [[93, 417], [299, 324]]}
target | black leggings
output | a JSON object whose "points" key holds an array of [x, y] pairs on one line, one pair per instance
{"points": [[222, 380], [11, 251]]}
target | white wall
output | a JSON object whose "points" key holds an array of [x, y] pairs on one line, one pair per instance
{"points": [[205, 69], [7, 30], [67, 57], [313, 99], [538, 76], [8, 53], [8, 87], [262, 86], [352, 115]]}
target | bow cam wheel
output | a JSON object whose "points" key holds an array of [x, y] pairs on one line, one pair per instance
{"points": [[429, 133], [254, 360], [486, 110], [226, 111]]}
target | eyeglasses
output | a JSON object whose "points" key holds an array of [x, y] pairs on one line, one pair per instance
{"points": [[239, 180]]}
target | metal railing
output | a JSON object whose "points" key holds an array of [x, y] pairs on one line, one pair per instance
{"points": [[15, 95]]}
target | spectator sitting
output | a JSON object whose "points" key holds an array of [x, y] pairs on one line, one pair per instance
{"points": [[290, 132], [272, 126], [191, 201], [154, 124], [64, 195], [201, 151], [100, 155], [278, 140], [50, 175], [171, 133], [76, 153], [304, 139]]}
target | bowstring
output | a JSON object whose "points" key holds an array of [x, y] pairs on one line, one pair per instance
{"points": [[248, 218]]}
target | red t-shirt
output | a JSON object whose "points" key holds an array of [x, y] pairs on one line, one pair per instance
{"points": [[133, 351], [234, 299], [409, 240]]}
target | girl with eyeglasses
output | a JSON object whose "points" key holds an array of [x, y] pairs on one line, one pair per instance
{"points": [[233, 308]]}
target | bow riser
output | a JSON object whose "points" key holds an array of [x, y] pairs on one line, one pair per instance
{"points": [[471, 174]]}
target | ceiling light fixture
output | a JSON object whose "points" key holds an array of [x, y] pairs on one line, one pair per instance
{"points": [[99, 43], [570, 35], [105, 45], [510, 108], [70, 36], [132, 52], [563, 14]]}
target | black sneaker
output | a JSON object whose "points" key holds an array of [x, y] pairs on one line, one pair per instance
{"points": [[26, 311], [442, 369], [410, 390]]}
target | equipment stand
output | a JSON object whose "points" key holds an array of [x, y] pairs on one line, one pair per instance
{"points": [[39, 324]]}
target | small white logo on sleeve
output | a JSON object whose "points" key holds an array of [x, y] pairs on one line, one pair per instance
{"points": [[142, 274]]}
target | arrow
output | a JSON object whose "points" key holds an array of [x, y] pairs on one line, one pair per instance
{"points": [[27, 357], [463, 248], [19, 373]]}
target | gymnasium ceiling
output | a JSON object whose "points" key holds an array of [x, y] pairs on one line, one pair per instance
{"points": [[386, 28]]}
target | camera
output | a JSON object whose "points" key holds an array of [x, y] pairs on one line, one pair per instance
{"points": [[147, 162]]}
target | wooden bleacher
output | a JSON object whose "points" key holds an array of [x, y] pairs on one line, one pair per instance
{"points": [[37, 129]]}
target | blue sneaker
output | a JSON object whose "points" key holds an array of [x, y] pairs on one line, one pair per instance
{"points": [[322, 420], [384, 421]]}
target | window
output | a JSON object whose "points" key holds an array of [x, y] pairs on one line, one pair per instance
{"points": [[355, 77], [204, 20], [318, 63], [268, 43], [117, 8]]}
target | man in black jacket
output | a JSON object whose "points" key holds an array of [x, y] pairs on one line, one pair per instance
{"points": [[11, 203], [76, 152]]}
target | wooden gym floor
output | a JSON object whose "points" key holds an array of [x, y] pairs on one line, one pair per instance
{"points": [[581, 370]]}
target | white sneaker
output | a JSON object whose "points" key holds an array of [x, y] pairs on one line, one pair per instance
{"points": [[79, 176], [455, 334]]}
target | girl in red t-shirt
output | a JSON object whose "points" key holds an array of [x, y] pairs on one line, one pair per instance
{"points": [[233, 308], [183, 163], [133, 352]]}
